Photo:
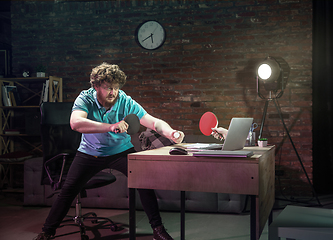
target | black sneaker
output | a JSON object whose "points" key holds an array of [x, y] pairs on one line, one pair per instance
{"points": [[43, 236], [161, 234]]}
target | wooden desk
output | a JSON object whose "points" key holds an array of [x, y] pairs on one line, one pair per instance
{"points": [[157, 169]]}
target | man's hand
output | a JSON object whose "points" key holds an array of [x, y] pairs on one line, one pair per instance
{"points": [[162, 128], [177, 136], [217, 132], [119, 127]]}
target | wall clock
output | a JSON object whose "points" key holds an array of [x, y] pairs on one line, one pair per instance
{"points": [[150, 35]]}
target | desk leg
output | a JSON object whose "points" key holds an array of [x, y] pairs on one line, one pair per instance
{"points": [[253, 217], [132, 214], [182, 215]]}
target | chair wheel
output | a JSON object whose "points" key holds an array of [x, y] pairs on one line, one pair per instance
{"points": [[84, 237], [114, 227]]}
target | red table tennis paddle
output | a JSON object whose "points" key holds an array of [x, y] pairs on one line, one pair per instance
{"points": [[208, 121], [133, 124]]}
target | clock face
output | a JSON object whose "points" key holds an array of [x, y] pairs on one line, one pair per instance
{"points": [[150, 35]]}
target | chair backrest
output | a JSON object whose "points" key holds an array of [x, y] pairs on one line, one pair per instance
{"points": [[57, 136]]}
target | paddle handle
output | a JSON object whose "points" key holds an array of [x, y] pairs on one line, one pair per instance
{"points": [[220, 136], [118, 130]]}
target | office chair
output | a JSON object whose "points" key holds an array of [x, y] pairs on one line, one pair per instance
{"points": [[59, 144]]}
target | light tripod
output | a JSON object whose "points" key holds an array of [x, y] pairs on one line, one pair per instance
{"points": [[275, 85]]}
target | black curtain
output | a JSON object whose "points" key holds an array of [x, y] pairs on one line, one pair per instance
{"points": [[322, 96]]}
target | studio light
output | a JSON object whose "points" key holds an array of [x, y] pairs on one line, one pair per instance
{"points": [[273, 74], [264, 71]]}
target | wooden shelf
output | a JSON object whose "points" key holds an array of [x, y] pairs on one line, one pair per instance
{"points": [[16, 107], [31, 89], [27, 79], [13, 190], [18, 135]]}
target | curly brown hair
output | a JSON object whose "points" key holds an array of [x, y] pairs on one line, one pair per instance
{"points": [[109, 73]]}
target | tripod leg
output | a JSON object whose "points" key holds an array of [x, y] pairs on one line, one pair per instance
{"points": [[299, 158], [263, 118]]}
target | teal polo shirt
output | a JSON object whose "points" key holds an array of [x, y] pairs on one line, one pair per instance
{"points": [[109, 143]]}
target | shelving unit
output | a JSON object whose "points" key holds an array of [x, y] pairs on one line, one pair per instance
{"points": [[25, 114], [30, 91]]}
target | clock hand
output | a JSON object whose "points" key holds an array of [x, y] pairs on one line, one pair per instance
{"points": [[152, 41], [150, 36], [155, 28], [146, 38]]}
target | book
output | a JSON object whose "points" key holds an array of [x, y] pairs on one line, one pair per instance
{"points": [[55, 90], [203, 146], [46, 91], [13, 95], [223, 153], [42, 94], [12, 98], [5, 97]]}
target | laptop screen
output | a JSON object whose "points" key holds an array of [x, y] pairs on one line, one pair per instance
{"points": [[237, 133]]}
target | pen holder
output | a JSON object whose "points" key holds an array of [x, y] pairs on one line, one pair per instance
{"points": [[251, 139]]}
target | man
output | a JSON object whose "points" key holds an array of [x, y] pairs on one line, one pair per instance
{"points": [[98, 114]]}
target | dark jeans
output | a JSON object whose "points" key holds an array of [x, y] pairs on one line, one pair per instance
{"points": [[82, 169]]}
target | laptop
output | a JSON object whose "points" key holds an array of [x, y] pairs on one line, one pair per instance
{"points": [[237, 133]]}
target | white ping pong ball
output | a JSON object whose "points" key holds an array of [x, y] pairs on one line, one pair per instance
{"points": [[176, 135]]}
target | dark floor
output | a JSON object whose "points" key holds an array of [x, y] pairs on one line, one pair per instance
{"points": [[24, 223]]}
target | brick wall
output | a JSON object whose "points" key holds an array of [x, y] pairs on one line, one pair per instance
{"points": [[206, 64]]}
